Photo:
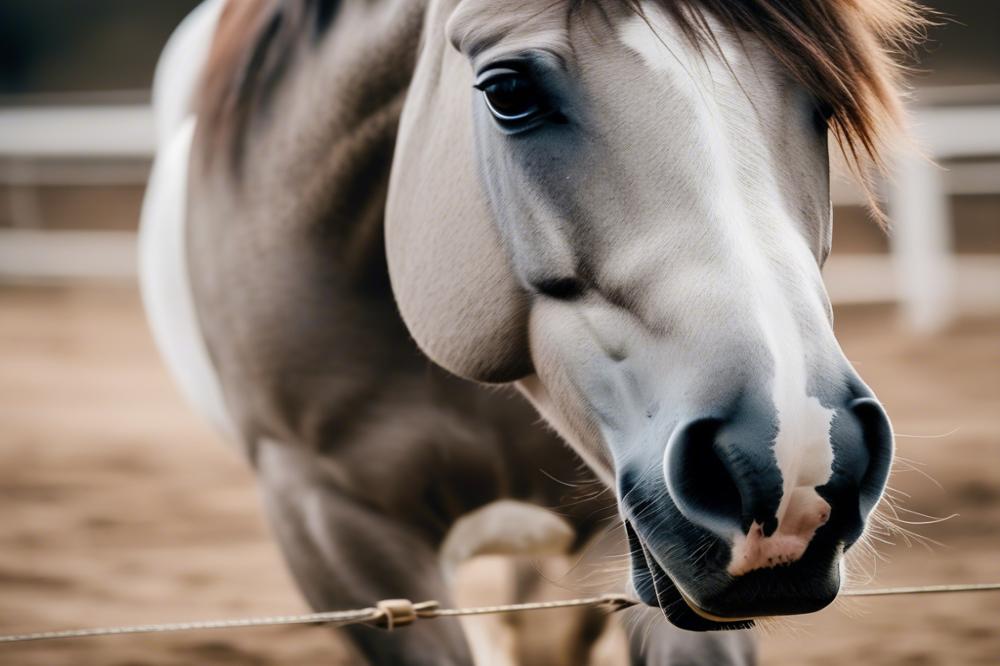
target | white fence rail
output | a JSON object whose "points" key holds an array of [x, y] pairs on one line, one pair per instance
{"points": [[94, 132], [922, 273]]}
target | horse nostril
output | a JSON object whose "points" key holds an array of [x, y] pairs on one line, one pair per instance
{"points": [[877, 437], [699, 481]]}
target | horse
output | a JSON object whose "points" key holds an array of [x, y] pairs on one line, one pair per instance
{"points": [[373, 228]]}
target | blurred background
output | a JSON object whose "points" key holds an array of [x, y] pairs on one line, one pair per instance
{"points": [[118, 505]]}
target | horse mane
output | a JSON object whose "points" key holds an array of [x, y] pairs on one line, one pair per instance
{"points": [[252, 46], [845, 52]]}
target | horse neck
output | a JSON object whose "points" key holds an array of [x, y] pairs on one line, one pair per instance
{"points": [[317, 144]]}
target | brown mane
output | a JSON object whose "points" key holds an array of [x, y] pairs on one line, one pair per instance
{"points": [[845, 52]]}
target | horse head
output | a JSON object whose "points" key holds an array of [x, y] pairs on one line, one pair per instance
{"points": [[624, 209]]}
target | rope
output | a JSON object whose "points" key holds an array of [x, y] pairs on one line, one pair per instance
{"points": [[922, 589], [388, 614], [392, 613]]}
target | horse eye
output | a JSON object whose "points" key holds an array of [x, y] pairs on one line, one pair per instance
{"points": [[513, 98]]}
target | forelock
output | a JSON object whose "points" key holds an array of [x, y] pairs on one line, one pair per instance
{"points": [[846, 53]]}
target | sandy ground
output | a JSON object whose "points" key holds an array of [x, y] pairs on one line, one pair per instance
{"points": [[118, 506]]}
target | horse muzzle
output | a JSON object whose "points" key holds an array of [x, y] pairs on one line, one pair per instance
{"points": [[719, 539], [721, 602]]}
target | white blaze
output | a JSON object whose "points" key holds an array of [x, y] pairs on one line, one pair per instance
{"points": [[772, 260]]}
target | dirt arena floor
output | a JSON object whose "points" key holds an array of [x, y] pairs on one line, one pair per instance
{"points": [[118, 506]]}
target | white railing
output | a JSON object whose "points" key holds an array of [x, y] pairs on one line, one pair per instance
{"points": [[918, 204], [70, 145], [94, 132], [922, 273]]}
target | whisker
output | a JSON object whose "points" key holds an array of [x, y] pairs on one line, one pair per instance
{"points": [[914, 466], [939, 436]]}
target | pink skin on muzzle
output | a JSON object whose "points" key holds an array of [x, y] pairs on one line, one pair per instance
{"points": [[806, 512]]}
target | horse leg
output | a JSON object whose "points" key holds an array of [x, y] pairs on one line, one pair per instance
{"points": [[343, 555], [655, 642]]}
